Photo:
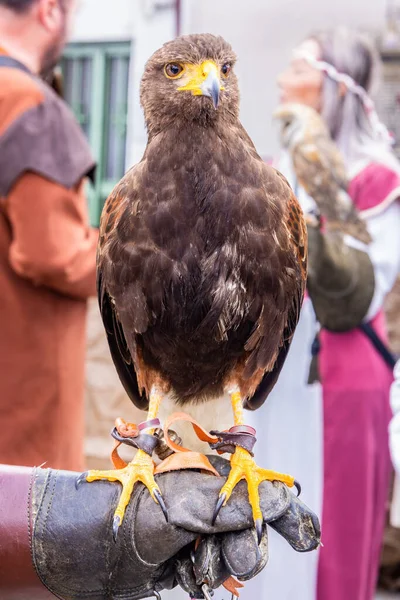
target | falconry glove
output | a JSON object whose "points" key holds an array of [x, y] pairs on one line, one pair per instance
{"points": [[76, 557], [340, 279]]}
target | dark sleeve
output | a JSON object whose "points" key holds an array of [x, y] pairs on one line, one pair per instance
{"points": [[52, 244]]}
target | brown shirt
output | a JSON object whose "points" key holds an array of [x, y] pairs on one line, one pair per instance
{"points": [[47, 271]]}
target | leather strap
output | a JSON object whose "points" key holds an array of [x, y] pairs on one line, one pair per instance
{"points": [[126, 429], [228, 441], [182, 458], [378, 344], [221, 441], [233, 585], [142, 441], [8, 61], [151, 424], [18, 577], [201, 433], [186, 460], [116, 460], [131, 434]]}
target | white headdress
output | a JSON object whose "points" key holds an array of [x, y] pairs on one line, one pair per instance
{"points": [[352, 87]]}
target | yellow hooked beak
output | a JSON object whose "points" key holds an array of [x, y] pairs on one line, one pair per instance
{"points": [[203, 80]]}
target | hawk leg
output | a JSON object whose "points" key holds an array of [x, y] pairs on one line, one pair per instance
{"points": [[243, 466], [141, 468]]}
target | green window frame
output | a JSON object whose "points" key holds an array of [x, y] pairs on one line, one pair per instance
{"points": [[96, 86]]}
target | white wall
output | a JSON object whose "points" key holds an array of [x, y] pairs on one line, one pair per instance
{"points": [[147, 24], [263, 33], [104, 20]]}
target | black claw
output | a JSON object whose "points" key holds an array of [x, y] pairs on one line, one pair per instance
{"points": [[161, 502], [80, 479], [258, 523], [116, 524], [298, 487], [220, 502]]}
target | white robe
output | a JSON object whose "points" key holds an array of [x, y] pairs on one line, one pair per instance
{"points": [[292, 417]]}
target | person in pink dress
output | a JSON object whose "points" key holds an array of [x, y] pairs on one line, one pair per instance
{"points": [[332, 434]]}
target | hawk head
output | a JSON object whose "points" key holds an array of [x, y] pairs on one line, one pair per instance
{"points": [[190, 79], [299, 124]]}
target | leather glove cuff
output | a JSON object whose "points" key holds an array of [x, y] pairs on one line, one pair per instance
{"points": [[340, 280]]}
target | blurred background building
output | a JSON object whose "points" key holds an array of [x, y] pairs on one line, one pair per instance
{"points": [[102, 67], [112, 41]]}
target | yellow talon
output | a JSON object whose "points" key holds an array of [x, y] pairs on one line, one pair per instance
{"points": [[243, 466], [140, 469]]}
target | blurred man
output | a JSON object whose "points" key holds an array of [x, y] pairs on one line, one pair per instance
{"points": [[47, 250]]}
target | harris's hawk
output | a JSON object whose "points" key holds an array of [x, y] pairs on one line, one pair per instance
{"points": [[320, 168], [202, 259]]}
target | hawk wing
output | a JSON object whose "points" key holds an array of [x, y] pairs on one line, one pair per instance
{"points": [[296, 230], [107, 262]]}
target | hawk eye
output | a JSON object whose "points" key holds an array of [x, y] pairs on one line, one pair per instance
{"points": [[225, 69], [172, 70]]}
